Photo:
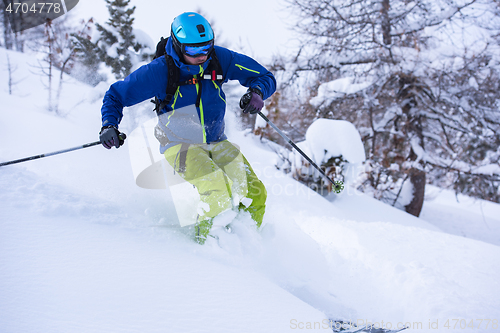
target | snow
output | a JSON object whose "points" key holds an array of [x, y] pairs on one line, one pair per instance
{"points": [[329, 138], [83, 249], [490, 169], [326, 139], [144, 39], [328, 92], [443, 208]]}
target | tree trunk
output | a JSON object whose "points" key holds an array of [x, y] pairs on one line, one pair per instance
{"points": [[7, 33], [386, 22], [417, 179], [406, 94]]}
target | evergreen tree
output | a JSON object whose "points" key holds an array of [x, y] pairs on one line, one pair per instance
{"points": [[117, 45]]}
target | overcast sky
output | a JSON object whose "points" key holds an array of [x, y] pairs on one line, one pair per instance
{"points": [[260, 26]]}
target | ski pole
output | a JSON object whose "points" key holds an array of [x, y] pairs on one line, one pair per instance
{"points": [[122, 137], [338, 186]]}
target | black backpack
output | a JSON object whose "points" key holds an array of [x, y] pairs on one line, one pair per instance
{"points": [[213, 72]]}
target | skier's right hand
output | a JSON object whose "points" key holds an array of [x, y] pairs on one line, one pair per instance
{"points": [[110, 136]]}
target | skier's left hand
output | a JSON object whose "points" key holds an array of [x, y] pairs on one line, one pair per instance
{"points": [[252, 101]]}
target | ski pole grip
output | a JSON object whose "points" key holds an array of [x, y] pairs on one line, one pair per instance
{"points": [[121, 138]]}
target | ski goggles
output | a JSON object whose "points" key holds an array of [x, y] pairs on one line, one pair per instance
{"points": [[197, 50]]}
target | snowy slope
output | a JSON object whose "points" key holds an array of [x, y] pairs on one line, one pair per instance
{"points": [[462, 216], [82, 249], [80, 273]]}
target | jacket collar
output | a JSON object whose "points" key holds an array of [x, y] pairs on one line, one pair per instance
{"points": [[186, 69]]}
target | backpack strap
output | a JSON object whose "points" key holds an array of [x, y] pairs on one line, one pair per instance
{"points": [[172, 80], [172, 84], [160, 48]]}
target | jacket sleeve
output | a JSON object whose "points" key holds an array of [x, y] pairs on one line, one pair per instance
{"points": [[247, 71], [146, 82]]}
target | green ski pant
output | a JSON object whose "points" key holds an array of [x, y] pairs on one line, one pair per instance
{"points": [[223, 178]]}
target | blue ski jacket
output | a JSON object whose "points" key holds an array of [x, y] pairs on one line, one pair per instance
{"points": [[182, 121]]}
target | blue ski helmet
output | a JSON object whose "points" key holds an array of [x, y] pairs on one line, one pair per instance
{"points": [[192, 35]]}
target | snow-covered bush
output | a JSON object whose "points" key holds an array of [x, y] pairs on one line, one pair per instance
{"points": [[335, 146]]}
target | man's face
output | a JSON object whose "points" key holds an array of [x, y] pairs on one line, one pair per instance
{"points": [[198, 60]]}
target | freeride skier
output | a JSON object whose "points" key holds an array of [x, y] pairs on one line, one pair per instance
{"points": [[191, 117]]}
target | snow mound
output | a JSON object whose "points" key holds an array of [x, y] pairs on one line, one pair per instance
{"points": [[327, 138]]}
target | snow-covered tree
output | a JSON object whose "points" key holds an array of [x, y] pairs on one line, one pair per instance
{"points": [[117, 45], [429, 71]]}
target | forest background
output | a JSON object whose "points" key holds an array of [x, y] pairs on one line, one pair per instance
{"points": [[418, 79]]}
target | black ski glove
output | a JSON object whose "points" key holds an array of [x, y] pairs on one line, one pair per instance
{"points": [[110, 136], [252, 101]]}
